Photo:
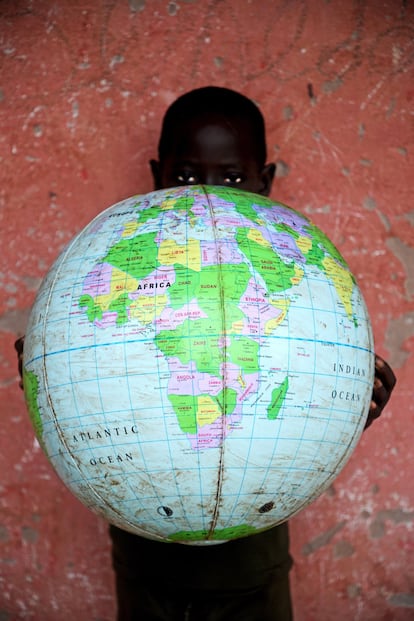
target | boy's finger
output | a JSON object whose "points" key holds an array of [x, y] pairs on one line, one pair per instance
{"points": [[384, 372], [18, 345]]}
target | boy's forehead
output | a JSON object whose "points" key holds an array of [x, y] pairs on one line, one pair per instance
{"points": [[208, 131], [233, 123]]}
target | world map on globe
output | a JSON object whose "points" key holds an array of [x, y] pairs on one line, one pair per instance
{"points": [[198, 364]]}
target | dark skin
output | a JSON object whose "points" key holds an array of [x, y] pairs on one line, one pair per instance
{"points": [[214, 151]]}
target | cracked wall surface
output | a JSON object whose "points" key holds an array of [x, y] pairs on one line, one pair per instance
{"points": [[83, 87]]}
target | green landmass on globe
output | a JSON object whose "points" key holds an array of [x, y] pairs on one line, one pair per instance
{"points": [[31, 389]]}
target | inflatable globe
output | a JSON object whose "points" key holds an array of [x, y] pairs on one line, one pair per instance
{"points": [[198, 364]]}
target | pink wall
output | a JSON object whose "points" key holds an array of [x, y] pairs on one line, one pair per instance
{"points": [[83, 86]]}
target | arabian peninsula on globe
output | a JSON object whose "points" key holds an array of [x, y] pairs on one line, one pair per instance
{"points": [[198, 364]]}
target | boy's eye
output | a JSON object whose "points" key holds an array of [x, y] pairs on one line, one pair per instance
{"points": [[186, 178], [234, 178]]}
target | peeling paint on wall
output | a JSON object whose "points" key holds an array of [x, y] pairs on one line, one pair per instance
{"points": [[398, 332], [405, 254]]}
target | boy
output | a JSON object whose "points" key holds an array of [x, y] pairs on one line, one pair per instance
{"points": [[213, 136]]}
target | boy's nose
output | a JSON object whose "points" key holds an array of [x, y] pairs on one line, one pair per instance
{"points": [[212, 178]]}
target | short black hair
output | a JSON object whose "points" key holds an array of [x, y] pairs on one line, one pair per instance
{"points": [[213, 100]]}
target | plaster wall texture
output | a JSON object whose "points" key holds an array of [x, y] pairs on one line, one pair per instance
{"points": [[83, 87]]}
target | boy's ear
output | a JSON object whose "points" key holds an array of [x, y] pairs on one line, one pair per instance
{"points": [[267, 176], [156, 174]]}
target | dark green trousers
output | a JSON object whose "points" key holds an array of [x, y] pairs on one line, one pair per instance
{"points": [[243, 580]]}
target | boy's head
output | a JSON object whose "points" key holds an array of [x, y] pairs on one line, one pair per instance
{"points": [[213, 136]]}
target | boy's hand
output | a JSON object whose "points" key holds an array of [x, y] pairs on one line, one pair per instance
{"points": [[384, 383], [18, 346]]}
